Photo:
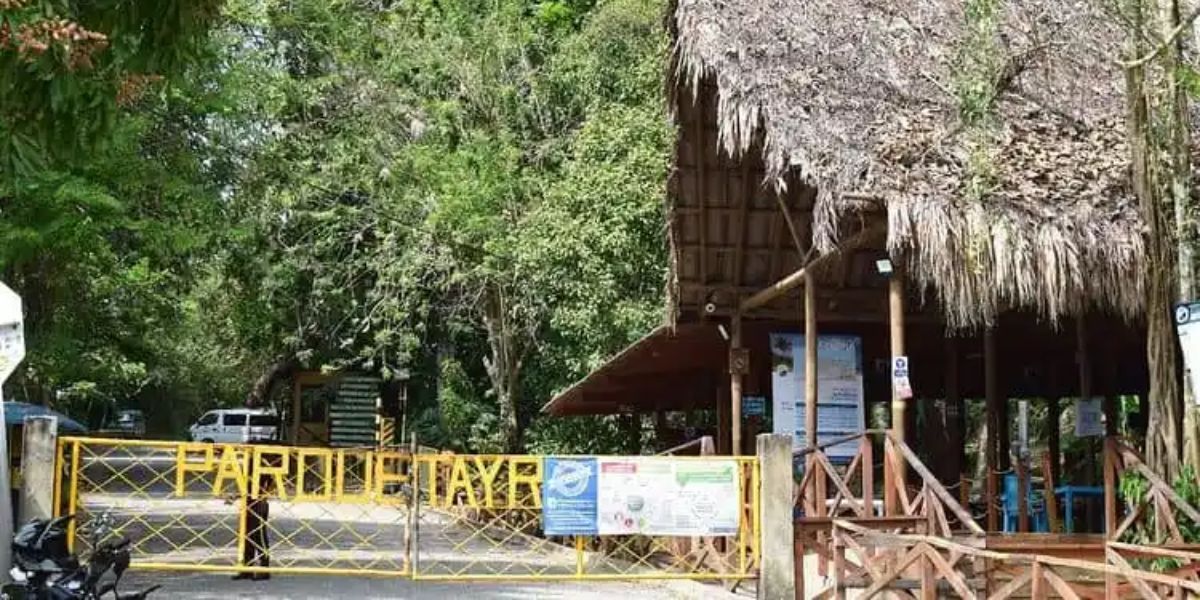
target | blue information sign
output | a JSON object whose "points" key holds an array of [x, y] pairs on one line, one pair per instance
{"points": [[569, 496]]}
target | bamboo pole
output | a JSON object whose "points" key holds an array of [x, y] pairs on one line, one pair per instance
{"points": [[735, 385], [798, 277], [896, 323], [810, 360]]}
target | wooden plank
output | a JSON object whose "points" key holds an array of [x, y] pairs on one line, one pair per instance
{"points": [[1158, 483], [928, 580], [937, 488], [952, 577], [1060, 586], [1139, 585], [1007, 590], [1037, 583], [810, 359], [892, 573], [839, 484], [868, 474]]}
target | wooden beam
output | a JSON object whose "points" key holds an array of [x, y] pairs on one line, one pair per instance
{"points": [[791, 226], [739, 256], [701, 150], [786, 284]]}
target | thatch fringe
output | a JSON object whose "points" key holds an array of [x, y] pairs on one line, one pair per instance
{"points": [[856, 96]]}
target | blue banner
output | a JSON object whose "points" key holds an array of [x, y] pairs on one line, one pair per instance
{"points": [[569, 496]]}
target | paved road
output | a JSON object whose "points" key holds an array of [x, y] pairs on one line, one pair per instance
{"points": [[220, 587]]}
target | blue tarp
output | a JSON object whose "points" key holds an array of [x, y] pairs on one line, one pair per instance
{"points": [[15, 413]]}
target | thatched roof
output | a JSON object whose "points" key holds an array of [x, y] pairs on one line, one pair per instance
{"points": [[857, 96]]}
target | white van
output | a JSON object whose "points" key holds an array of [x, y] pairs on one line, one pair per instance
{"points": [[235, 426]]}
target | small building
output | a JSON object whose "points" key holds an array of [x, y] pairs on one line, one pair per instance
{"points": [[344, 409]]}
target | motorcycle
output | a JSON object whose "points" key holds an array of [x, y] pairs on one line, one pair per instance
{"points": [[46, 570]]}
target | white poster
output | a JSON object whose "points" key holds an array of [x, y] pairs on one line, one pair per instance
{"points": [[664, 496], [1089, 417], [839, 389], [1187, 323], [901, 387]]}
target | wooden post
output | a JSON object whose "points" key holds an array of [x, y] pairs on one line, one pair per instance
{"points": [[1110, 487], [1022, 497], [954, 416], [1051, 499], [1053, 425], [896, 322], [810, 360], [1085, 393], [737, 369], [1110, 506], [992, 397]]}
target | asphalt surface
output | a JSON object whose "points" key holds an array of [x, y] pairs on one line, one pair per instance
{"points": [[213, 586]]}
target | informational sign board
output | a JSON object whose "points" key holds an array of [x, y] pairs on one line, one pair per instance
{"points": [[12, 332], [1089, 417], [352, 420], [640, 495], [900, 383], [754, 406], [1187, 325], [569, 496], [839, 389]]}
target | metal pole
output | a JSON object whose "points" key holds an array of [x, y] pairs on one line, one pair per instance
{"points": [[6, 509]]}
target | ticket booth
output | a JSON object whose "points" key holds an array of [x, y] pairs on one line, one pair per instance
{"points": [[343, 409]]}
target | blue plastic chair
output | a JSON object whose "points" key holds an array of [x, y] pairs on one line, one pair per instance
{"points": [[1012, 510]]}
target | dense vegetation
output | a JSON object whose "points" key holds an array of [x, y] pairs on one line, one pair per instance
{"points": [[218, 194]]}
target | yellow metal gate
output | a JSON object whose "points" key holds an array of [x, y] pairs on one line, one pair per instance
{"points": [[376, 511]]}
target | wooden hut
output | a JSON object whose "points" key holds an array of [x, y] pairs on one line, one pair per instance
{"points": [[818, 138]]}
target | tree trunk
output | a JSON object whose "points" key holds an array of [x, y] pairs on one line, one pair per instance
{"points": [[1163, 438], [265, 384], [504, 365], [1181, 193]]}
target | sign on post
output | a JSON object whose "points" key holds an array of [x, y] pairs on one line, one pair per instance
{"points": [[1089, 417], [12, 332], [900, 382], [1187, 326], [12, 352]]}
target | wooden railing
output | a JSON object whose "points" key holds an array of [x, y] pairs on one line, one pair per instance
{"points": [[1160, 507], [873, 562], [854, 492]]}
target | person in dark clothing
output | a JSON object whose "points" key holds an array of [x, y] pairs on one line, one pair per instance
{"points": [[256, 544]]}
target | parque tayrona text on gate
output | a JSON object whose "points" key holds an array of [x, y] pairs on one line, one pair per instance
{"points": [[378, 476]]}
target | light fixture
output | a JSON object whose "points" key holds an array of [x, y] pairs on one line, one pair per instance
{"points": [[884, 266], [724, 332]]}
